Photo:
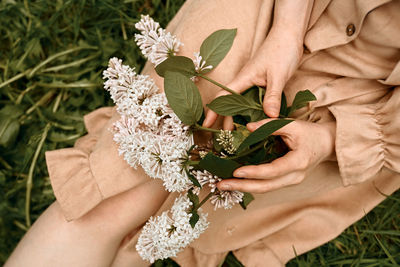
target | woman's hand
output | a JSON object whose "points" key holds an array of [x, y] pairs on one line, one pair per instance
{"points": [[275, 61], [309, 144]]}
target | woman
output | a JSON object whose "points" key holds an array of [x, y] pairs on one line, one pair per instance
{"points": [[343, 157]]}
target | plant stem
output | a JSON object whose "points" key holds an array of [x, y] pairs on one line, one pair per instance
{"points": [[248, 151], [205, 200], [193, 162], [41, 101], [30, 175], [199, 127], [57, 55], [13, 79], [21, 95], [217, 84]]}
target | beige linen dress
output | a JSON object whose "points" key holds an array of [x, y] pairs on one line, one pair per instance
{"points": [[351, 63]]}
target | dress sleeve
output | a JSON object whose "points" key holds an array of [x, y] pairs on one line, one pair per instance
{"points": [[92, 170], [367, 137]]}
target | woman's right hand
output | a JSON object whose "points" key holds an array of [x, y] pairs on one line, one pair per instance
{"points": [[275, 61]]}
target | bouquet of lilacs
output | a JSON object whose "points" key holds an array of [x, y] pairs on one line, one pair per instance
{"points": [[156, 130]]}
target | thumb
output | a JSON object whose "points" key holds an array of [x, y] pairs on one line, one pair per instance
{"points": [[272, 98]]}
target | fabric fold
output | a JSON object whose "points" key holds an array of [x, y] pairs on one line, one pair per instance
{"points": [[74, 185], [93, 170], [71, 176], [367, 138]]}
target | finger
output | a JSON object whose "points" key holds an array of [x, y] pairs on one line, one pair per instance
{"points": [[272, 98], [260, 186], [210, 119], [285, 130], [291, 162], [241, 82], [228, 123]]}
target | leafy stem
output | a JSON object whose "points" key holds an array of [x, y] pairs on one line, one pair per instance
{"points": [[247, 152], [217, 84], [199, 127], [204, 200], [192, 162]]}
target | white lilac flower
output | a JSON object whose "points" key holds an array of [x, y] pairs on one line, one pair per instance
{"points": [[119, 78], [161, 157], [225, 139], [152, 110], [166, 235], [146, 24], [132, 142], [127, 89], [149, 134], [226, 199], [206, 178], [172, 126], [167, 45], [155, 43], [200, 63], [164, 158]]}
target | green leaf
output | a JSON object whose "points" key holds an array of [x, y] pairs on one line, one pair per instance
{"points": [[194, 199], [231, 105], [256, 115], [9, 124], [284, 109], [183, 97], [217, 146], [301, 100], [231, 261], [12, 111], [9, 129], [194, 219], [261, 93], [255, 93], [180, 64], [247, 198], [242, 129], [223, 168], [193, 179], [238, 138], [263, 132], [165, 263], [216, 46]]}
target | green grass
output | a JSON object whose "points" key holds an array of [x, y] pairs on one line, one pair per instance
{"points": [[52, 54]]}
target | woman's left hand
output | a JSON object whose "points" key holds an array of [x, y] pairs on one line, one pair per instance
{"points": [[309, 144]]}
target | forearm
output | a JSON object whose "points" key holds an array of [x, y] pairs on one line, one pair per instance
{"points": [[92, 240], [292, 16]]}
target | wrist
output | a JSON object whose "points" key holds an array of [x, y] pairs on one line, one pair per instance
{"points": [[329, 129], [292, 16]]}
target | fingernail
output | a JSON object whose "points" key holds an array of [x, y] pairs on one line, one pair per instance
{"points": [[225, 186], [240, 174]]}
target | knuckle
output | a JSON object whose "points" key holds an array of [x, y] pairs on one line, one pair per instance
{"points": [[303, 164], [298, 179], [258, 79]]}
